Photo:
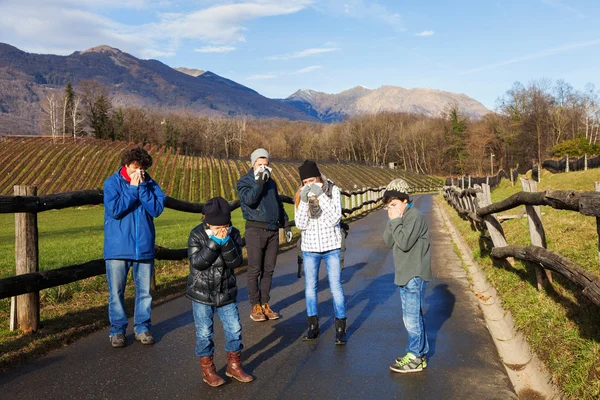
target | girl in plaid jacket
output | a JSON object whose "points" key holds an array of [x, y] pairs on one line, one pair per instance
{"points": [[318, 216]]}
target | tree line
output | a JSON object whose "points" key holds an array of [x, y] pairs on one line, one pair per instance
{"points": [[531, 123]]}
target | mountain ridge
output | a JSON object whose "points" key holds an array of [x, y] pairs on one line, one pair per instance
{"points": [[26, 78], [387, 98]]}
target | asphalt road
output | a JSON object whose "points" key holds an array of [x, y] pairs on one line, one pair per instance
{"points": [[463, 362]]}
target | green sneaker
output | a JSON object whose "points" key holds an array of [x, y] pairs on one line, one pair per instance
{"points": [[408, 363], [424, 358]]}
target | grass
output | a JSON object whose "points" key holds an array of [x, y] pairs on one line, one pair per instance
{"points": [[73, 236], [561, 325]]}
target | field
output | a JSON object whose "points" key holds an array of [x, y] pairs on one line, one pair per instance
{"points": [[85, 164], [560, 324]]}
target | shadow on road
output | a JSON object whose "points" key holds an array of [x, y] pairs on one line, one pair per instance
{"points": [[440, 305]]}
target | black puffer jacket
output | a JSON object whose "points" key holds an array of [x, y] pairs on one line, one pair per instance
{"points": [[212, 280]]}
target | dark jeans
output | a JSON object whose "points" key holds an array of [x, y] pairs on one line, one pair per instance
{"points": [[262, 246]]}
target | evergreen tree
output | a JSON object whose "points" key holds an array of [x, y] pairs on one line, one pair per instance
{"points": [[100, 118]]}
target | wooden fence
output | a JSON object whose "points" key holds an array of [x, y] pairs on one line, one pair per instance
{"points": [[24, 287], [475, 205]]}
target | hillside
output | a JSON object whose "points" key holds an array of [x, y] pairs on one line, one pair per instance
{"points": [[361, 100], [51, 167], [25, 78]]}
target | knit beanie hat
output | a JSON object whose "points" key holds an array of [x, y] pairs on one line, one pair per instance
{"points": [[309, 170], [217, 211], [259, 153], [397, 188]]}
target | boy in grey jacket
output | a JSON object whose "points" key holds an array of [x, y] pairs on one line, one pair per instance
{"points": [[408, 235]]}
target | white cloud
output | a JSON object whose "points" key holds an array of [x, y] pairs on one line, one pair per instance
{"points": [[215, 49], [64, 26], [425, 33], [309, 69], [261, 77], [361, 9], [303, 53], [534, 56]]}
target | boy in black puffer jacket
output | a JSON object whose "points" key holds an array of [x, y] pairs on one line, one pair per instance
{"points": [[215, 250]]}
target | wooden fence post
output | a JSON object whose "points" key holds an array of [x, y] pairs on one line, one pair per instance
{"points": [[463, 182], [512, 181], [26, 261], [347, 202], [363, 208], [536, 230], [281, 236], [585, 162], [491, 222], [352, 203], [597, 188], [469, 181], [567, 166]]}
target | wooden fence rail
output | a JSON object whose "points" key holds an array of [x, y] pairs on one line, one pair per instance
{"points": [[475, 204], [29, 281]]}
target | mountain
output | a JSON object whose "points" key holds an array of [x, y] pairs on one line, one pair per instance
{"points": [[26, 78], [361, 100]]}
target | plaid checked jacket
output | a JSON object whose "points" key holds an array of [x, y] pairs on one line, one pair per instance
{"points": [[323, 233]]}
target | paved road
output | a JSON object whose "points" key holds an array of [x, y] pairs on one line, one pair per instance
{"points": [[463, 362]]}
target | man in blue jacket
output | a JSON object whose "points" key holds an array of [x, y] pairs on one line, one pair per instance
{"points": [[131, 202], [264, 214]]}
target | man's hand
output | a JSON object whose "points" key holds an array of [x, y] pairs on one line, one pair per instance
{"points": [[394, 213], [288, 234], [316, 189], [304, 193], [263, 176]]}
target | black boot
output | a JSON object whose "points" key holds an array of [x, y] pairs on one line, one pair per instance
{"points": [[313, 328], [340, 331]]}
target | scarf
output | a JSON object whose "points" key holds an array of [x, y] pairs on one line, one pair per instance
{"points": [[314, 209]]}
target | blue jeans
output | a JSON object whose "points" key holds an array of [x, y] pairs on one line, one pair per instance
{"points": [[203, 319], [312, 261], [116, 276], [412, 295]]}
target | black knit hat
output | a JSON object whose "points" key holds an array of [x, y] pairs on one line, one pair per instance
{"points": [[309, 170], [216, 211]]}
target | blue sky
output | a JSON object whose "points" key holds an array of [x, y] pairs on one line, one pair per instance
{"points": [[476, 47]]}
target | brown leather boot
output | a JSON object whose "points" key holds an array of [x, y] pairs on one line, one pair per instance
{"points": [[209, 374], [234, 368]]}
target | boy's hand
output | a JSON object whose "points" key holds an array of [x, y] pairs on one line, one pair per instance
{"points": [[221, 233], [394, 213], [136, 178]]}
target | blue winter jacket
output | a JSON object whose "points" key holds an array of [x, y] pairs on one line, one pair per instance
{"points": [[129, 213], [261, 203]]}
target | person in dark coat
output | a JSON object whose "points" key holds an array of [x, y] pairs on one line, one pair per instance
{"points": [[214, 251], [264, 214]]}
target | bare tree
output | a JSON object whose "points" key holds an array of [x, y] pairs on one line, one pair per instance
{"points": [[51, 107]]}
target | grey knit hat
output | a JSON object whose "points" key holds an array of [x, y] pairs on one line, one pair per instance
{"points": [[259, 153]]}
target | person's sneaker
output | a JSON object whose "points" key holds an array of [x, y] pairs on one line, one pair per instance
{"points": [[408, 363], [117, 340], [145, 338], [424, 358], [270, 314], [257, 313]]}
